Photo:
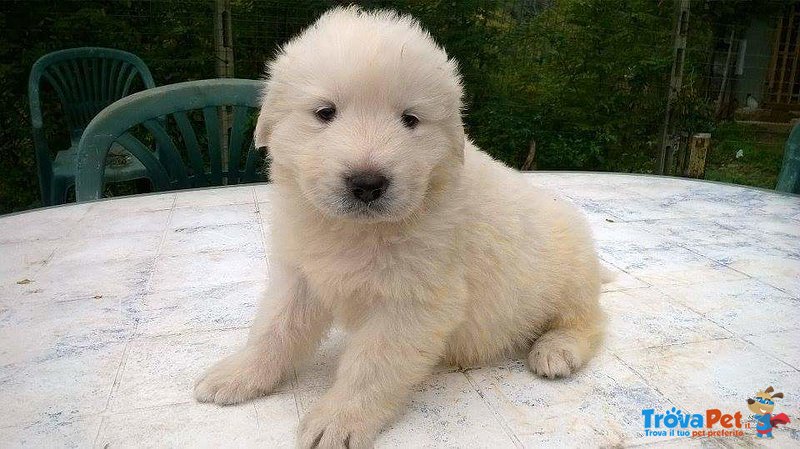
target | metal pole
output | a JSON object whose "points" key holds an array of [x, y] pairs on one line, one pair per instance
{"points": [[223, 47], [676, 78], [223, 39]]}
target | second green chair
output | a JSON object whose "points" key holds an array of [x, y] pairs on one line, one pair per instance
{"points": [[86, 80], [167, 117]]}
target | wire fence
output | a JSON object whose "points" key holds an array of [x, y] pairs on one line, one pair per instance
{"points": [[583, 83]]}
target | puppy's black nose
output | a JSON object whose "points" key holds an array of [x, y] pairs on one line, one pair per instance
{"points": [[367, 186]]}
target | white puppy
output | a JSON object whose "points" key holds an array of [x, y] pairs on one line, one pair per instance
{"points": [[389, 223]]}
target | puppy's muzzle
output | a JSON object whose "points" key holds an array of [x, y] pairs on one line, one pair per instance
{"points": [[367, 186]]}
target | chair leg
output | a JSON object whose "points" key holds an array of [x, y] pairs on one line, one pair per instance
{"points": [[67, 186], [143, 185], [59, 192], [47, 197], [54, 193], [46, 192]]}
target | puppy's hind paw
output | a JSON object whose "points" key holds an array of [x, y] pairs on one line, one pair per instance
{"points": [[555, 355], [235, 379], [552, 363]]}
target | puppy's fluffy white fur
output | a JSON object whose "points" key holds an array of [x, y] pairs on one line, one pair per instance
{"points": [[460, 260]]}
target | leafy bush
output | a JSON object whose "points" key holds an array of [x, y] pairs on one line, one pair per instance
{"points": [[746, 154], [585, 79]]}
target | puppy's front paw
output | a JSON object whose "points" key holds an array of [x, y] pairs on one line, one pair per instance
{"points": [[235, 379], [326, 427]]}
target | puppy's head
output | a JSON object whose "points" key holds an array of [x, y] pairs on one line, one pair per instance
{"points": [[362, 114]]}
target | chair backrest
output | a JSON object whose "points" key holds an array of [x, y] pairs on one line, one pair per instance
{"points": [[789, 177], [163, 118], [86, 80]]}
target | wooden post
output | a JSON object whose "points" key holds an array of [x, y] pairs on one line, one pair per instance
{"points": [[783, 88], [795, 57], [669, 165], [724, 86], [223, 48], [698, 150], [682, 158], [223, 39], [676, 78], [773, 63], [530, 160]]}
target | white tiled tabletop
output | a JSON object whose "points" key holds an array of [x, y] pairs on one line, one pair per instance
{"points": [[110, 310]]}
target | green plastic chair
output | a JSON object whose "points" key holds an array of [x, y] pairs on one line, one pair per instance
{"points": [[789, 177], [86, 80], [163, 115]]}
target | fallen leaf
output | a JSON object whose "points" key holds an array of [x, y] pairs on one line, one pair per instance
{"points": [[24, 281]]}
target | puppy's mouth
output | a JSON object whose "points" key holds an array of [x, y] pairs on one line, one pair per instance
{"points": [[373, 211]]}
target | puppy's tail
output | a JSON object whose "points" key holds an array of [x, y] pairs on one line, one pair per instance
{"points": [[607, 276]]}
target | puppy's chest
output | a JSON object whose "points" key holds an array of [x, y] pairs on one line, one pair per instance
{"points": [[357, 267], [348, 266]]}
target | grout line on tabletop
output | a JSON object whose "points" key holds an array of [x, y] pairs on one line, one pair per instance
{"points": [[255, 197], [296, 404], [642, 378], [689, 248], [495, 413], [732, 336], [124, 358], [138, 409], [188, 332], [767, 352], [99, 430], [261, 225], [783, 289], [720, 325], [258, 418]]}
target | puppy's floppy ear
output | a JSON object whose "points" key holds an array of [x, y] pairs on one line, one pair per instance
{"points": [[261, 133], [777, 395]]}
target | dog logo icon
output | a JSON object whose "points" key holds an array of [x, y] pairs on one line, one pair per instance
{"points": [[762, 406]]}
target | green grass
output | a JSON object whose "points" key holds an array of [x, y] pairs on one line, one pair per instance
{"points": [[760, 163]]}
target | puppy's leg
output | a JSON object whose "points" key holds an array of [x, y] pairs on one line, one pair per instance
{"points": [[283, 334], [567, 345], [383, 361]]}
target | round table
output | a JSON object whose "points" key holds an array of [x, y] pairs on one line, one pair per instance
{"points": [[110, 310]]}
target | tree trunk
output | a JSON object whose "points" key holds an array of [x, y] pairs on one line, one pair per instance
{"points": [[530, 160], [675, 80], [721, 97]]}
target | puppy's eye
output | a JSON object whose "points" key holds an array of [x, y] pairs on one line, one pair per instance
{"points": [[326, 113], [410, 121]]}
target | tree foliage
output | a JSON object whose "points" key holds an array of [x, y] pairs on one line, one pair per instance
{"points": [[585, 79]]}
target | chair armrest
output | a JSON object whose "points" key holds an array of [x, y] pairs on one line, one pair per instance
{"points": [[44, 165], [789, 176]]}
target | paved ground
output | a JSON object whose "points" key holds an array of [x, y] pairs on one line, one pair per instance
{"points": [[110, 310]]}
